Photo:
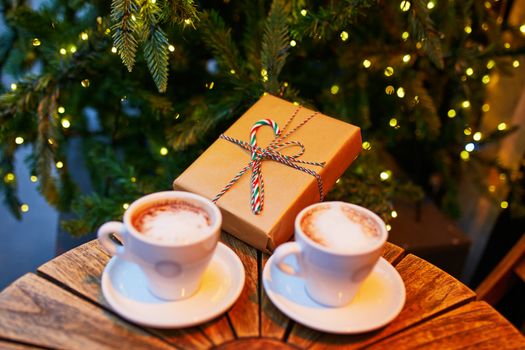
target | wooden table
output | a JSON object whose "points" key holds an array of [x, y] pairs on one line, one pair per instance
{"points": [[61, 306]]}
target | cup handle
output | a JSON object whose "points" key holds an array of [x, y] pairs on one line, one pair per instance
{"points": [[285, 250], [103, 237]]}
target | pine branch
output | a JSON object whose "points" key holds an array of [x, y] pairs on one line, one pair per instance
{"points": [[179, 11], [124, 13], [156, 54], [275, 46], [422, 28], [430, 123]]}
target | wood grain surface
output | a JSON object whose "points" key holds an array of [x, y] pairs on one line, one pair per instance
{"points": [[475, 325], [244, 315], [36, 311], [64, 308]]}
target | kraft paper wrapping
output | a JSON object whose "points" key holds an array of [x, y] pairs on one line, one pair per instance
{"points": [[287, 190]]}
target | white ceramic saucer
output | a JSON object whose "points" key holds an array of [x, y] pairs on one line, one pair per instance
{"points": [[124, 287], [378, 301]]}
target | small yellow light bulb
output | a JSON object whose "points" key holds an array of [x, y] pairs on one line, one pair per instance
{"points": [[125, 205], [293, 43], [384, 175], [451, 113], [9, 177], [469, 71], [515, 63], [65, 123], [485, 79], [431, 4], [389, 71], [492, 188], [72, 49], [63, 51], [405, 35], [14, 87], [504, 205], [367, 63], [85, 83], [24, 208], [19, 140], [334, 89], [485, 107], [344, 35], [163, 151], [464, 155], [304, 12], [33, 178], [59, 165], [502, 126], [367, 146], [389, 90], [388, 227], [393, 214], [522, 29], [405, 5], [113, 49], [491, 64], [171, 48], [133, 179], [36, 42], [467, 131], [477, 136], [188, 21], [468, 29], [84, 36], [465, 104], [406, 58], [61, 110], [393, 122], [507, 45], [400, 92]]}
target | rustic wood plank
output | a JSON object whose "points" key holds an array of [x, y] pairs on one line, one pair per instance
{"points": [[218, 330], [81, 270], [473, 326], [256, 344], [273, 321], [393, 253], [244, 314], [429, 291], [5, 345], [35, 311], [303, 337]]}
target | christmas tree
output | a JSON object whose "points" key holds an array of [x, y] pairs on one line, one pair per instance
{"points": [[147, 85]]}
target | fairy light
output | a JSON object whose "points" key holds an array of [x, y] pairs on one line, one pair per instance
{"points": [[393, 122], [50, 141], [36, 42], [9, 177], [504, 204], [522, 29], [33, 178], [468, 29], [133, 18], [405, 5], [171, 48], [491, 64], [125, 205], [400, 92], [488, 5], [406, 58], [485, 26], [59, 165], [85, 83], [405, 36], [338, 181], [469, 147], [344, 35], [502, 126], [133, 179], [507, 45], [113, 49], [19, 140], [367, 146], [14, 87], [62, 51], [367, 63], [24, 208], [107, 31], [293, 43], [65, 123], [388, 227], [485, 107], [385, 175], [467, 131], [515, 63], [492, 188], [485, 79], [389, 90], [389, 71], [188, 21], [464, 155], [304, 12], [153, 1], [334, 89], [212, 84], [163, 151], [393, 214], [465, 104], [451, 113], [84, 36], [72, 49], [61, 110], [477, 136], [469, 71], [431, 4]]}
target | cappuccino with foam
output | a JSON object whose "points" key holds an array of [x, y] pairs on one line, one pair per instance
{"points": [[172, 221], [340, 228]]}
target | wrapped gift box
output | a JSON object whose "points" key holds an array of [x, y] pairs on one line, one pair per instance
{"points": [[286, 190]]}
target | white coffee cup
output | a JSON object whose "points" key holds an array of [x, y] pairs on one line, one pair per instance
{"points": [[332, 275], [173, 269]]}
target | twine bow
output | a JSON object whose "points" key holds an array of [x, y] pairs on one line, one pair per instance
{"points": [[271, 152]]}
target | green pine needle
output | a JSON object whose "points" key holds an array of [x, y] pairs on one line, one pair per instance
{"points": [[156, 54]]}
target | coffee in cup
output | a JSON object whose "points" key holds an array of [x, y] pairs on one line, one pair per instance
{"points": [[336, 246], [171, 236]]}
